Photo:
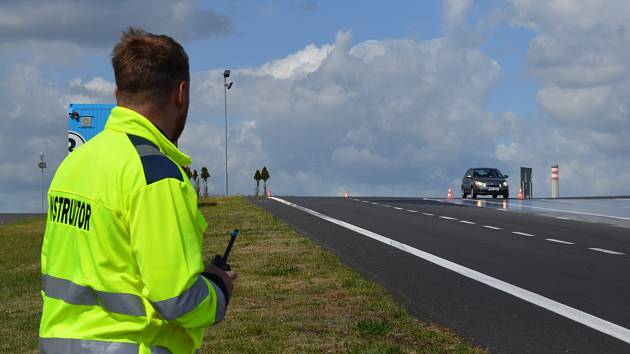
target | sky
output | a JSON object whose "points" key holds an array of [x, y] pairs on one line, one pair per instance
{"points": [[394, 98]]}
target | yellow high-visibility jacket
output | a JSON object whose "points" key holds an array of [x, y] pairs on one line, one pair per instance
{"points": [[121, 257]]}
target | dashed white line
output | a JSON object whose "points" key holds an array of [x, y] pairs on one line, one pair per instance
{"points": [[387, 206], [447, 218], [522, 233], [594, 322], [492, 227], [412, 211], [364, 201], [374, 203], [560, 241], [606, 251], [428, 214], [467, 222], [562, 218], [397, 208]]}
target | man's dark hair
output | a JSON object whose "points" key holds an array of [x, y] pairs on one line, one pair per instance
{"points": [[148, 66]]}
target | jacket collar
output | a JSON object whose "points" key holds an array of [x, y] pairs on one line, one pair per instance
{"points": [[129, 121]]}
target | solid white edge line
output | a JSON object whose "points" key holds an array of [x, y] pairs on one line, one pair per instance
{"points": [[522, 233], [596, 323], [492, 227], [560, 241], [606, 251], [467, 222]]}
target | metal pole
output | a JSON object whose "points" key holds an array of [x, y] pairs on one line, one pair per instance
{"points": [[42, 189], [226, 136]]}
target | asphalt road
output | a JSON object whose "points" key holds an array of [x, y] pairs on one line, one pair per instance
{"points": [[508, 281]]}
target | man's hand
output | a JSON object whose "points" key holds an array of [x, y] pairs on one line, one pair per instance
{"points": [[212, 272]]}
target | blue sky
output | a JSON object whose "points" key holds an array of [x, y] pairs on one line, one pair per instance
{"points": [[395, 98]]}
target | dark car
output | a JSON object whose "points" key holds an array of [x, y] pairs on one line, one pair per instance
{"points": [[485, 181]]}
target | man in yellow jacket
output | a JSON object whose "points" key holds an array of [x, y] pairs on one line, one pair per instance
{"points": [[122, 270]]}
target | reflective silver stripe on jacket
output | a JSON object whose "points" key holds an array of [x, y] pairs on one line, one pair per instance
{"points": [[185, 302], [221, 305], [81, 346], [63, 289], [148, 150]]}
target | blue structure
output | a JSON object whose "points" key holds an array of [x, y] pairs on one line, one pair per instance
{"points": [[85, 121]]}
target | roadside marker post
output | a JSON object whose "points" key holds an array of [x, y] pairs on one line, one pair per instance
{"points": [[449, 195]]}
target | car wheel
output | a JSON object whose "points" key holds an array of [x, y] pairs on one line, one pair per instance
{"points": [[494, 196], [464, 194], [505, 196], [473, 193]]}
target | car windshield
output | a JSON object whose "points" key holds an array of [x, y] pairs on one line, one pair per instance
{"points": [[487, 173]]}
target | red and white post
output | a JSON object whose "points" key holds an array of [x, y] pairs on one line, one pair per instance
{"points": [[555, 181]]}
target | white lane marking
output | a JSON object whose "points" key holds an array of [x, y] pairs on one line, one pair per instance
{"points": [[387, 206], [412, 211], [502, 209], [428, 214], [447, 218], [397, 208], [374, 203], [492, 227], [596, 323], [364, 201], [606, 251], [522, 233], [550, 209], [560, 241], [562, 218], [467, 222]]}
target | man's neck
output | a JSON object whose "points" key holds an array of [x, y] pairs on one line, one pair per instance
{"points": [[153, 116]]}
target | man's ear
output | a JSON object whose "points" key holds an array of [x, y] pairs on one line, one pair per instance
{"points": [[116, 92], [181, 93]]}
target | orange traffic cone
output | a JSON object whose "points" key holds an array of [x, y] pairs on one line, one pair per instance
{"points": [[345, 195], [450, 193], [520, 193]]}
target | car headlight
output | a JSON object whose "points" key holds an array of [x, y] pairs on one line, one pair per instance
{"points": [[479, 184], [505, 184]]}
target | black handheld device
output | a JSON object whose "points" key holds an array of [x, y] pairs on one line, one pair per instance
{"points": [[222, 261]]}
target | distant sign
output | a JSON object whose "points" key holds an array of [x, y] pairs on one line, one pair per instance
{"points": [[85, 121]]}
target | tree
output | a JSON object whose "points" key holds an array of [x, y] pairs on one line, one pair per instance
{"points": [[257, 177], [205, 175], [264, 175], [195, 177]]}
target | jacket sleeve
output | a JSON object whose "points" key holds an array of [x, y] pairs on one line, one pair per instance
{"points": [[166, 231]]}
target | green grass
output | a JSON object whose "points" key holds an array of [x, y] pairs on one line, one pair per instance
{"points": [[291, 295]]}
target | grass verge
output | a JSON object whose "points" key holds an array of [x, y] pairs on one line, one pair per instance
{"points": [[291, 296]]}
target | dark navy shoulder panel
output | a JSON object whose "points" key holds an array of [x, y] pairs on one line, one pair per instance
{"points": [[138, 140], [155, 164]]}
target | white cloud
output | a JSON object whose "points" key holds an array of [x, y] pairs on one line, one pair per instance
{"points": [[301, 63], [396, 112], [580, 60]]}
